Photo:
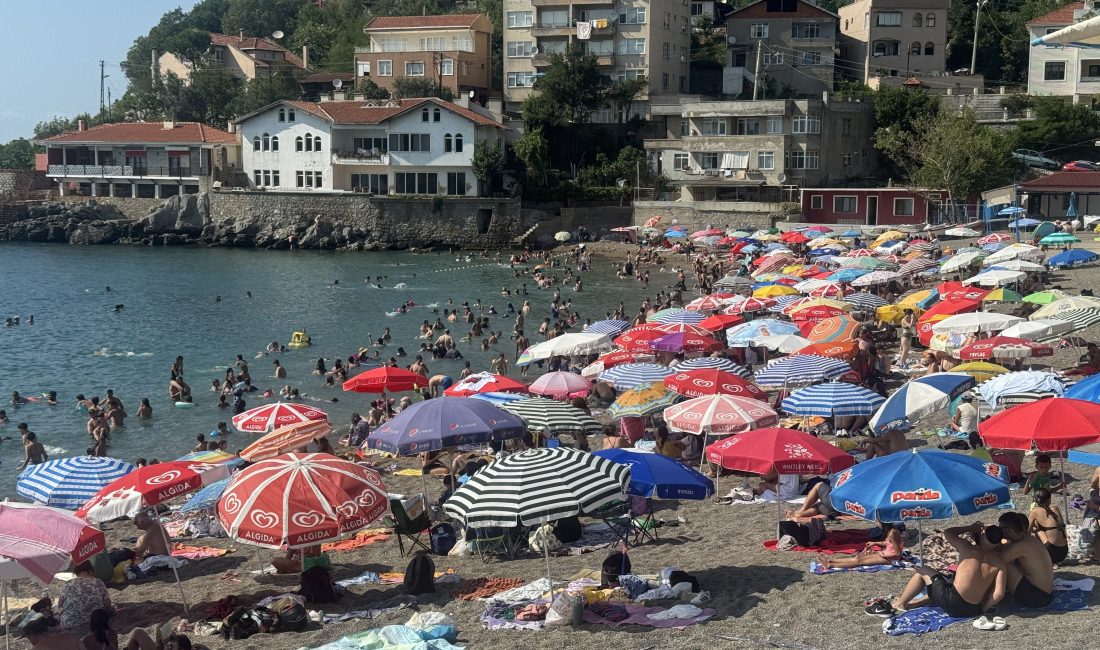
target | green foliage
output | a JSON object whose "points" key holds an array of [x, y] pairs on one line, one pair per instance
{"points": [[1003, 39], [606, 172], [189, 44], [261, 17], [59, 125], [17, 154], [1016, 103], [533, 149], [853, 89], [210, 96], [899, 108], [407, 87], [370, 90], [487, 163], [1060, 124], [264, 90], [707, 42], [622, 94], [567, 93]]}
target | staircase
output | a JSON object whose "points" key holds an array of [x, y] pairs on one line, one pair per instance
{"points": [[521, 239]]}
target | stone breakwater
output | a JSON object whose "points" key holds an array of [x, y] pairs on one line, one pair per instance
{"points": [[276, 221]]}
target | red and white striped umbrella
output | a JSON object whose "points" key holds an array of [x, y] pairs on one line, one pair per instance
{"points": [[269, 417], [149, 486], [485, 382], [683, 328], [299, 500], [285, 439], [995, 238], [720, 414], [712, 381], [561, 385], [38, 541], [749, 305], [861, 252], [830, 290], [638, 339], [710, 302], [609, 360]]}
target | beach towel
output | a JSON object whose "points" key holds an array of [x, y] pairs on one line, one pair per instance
{"points": [[907, 561], [484, 587], [525, 593], [408, 472], [384, 607], [391, 637], [198, 552], [845, 542], [921, 620], [1069, 596], [612, 614], [365, 578], [361, 539], [763, 499], [502, 616]]}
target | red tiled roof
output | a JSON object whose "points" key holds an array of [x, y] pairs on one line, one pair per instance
{"points": [[357, 111], [409, 22], [141, 132], [1065, 181], [1060, 16], [256, 43]]}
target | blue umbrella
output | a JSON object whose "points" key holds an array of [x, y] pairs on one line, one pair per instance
{"points": [[675, 233], [712, 362], [69, 482], [916, 486], [655, 476], [920, 397], [1087, 389], [832, 399], [611, 328], [801, 369], [993, 248], [745, 334], [496, 399], [851, 233], [1073, 257], [629, 375], [206, 498], [1015, 383], [1071, 209], [781, 302], [751, 248], [846, 275], [817, 252], [1004, 212], [1024, 223], [444, 422]]}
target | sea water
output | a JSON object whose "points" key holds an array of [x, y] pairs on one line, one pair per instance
{"points": [[80, 344]]}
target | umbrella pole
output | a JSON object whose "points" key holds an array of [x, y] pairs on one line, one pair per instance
{"points": [[7, 621], [1065, 490], [172, 563], [778, 506], [920, 531], [546, 554]]}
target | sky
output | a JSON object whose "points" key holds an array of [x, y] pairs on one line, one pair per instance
{"points": [[51, 51]]}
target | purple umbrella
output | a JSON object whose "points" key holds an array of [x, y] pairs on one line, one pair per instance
{"points": [[686, 342], [444, 422]]}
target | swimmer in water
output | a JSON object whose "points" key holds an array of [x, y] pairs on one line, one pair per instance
{"points": [[249, 293], [217, 298]]}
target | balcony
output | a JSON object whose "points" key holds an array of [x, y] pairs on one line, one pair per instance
{"points": [[575, 3], [553, 29], [125, 171], [358, 158]]}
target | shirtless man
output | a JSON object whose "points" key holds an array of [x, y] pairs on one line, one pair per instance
{"points": [[980, 580], [152, 539], [418, 366], [888, 443], [280, 371], [437, 384], [42, 637], [499, 365], [114, 413], [33, 451], [445, 339], [1030, 571]]}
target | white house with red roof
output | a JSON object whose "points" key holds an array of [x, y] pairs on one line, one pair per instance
{"points": [[419, 146], [1057, 70], [141, 159], [244, 57]]}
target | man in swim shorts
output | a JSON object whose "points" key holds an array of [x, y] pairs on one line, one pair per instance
{"points": [[1030, 570]]}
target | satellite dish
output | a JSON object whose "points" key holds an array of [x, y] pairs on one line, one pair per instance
{"points": [[337, 83], [781, 177], [731, 40], [278, 33], [472, 94]]}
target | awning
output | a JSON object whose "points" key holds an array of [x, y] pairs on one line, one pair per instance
{"points": [[1083, 34], [1000, 196]]}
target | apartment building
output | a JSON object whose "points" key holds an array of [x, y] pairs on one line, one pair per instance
{"points": [[452, 50], [629, 38], [753, 150], [797, 39], [893, 38], [243, 57], [1062, 71]]}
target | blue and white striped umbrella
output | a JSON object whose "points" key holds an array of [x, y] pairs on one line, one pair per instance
{"points": [[712, 362], [69, 482], [629, 375], [745, 334], [832, 399], [801, 369], [781, 302], [677, 316], [611, 328], [920, 397], [867, 301]]}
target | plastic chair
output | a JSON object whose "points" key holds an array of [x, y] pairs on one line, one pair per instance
{"points": [[491, 541], [618, 518], [410, 529]]}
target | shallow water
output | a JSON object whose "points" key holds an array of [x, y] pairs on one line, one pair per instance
{"points": [[78, 344]]}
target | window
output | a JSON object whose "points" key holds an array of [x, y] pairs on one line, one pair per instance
{"points": [[846, 160], [298, 143], [282, 115], [257, 178], [886, 48], [520, 49], [317, 179], [666, 50], [456, 183], [811, 58], [1054, 71], [256, 143], [815, 202], [888, 18], [266, 142], [748, 126], [903, 207], [917, 19], [394, 45], [758, 30], [846, 126], [435, 114], [929, 48], [518, 19], [775, 125], [414, 68], [447, 67], [274, 143], [267, 177], [316, 142], [714, 126], [632, 16], [844, 204], [930, 20], [632, 46], [806, 124], [685, 127], [773, 58], [446, 143], [554, 18], [681, 162], [385, 68], [914, 48], [290, 115], [697, 9], [373, 183], [521, 79], [371, 146], [664, 81], [298, 179], [275, 178], [802, 159], [425, 115], [462, 43], [595, 48], [735, 160], [433, 43], [708, 160], [765, 160], [806, 30], [1091, 71], [415, 183], [410, 142]]}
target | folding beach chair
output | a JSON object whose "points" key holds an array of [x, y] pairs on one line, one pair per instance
{"points": [[492, 541], [410, 523], [618, 518], [642, 521]]}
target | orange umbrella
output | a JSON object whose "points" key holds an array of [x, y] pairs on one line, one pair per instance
{"points": [[835, 349], [837, 328], [285, 439]]}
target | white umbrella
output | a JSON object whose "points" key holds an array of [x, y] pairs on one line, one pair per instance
{"points": [[874, 277], [1014, 251], [1037, 330], [960, 261], [961, 232], [1065, 304], [995, 278], [785, 343], [566, 345], [981, 321], [1021, 265], [1083, 34]]}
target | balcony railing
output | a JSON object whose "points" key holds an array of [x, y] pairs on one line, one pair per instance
{"points": [[137, 171], [358, 158]]}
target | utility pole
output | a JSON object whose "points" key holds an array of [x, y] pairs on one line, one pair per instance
{"points": [[759, 57], [977, 19], [102, 85]]}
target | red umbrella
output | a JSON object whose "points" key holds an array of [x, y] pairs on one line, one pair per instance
{"points": [[831, 290], [995, 238], [300, 500], [1004, 347], [38, 541], [712, 381], [749, 305], [719, 414], [833, 350], [684, 342], [385, 379], [829, 330], [682, 328], [786, 451], [1051, 424], [720, 322], [638, 339], [793, 237], [285, 439], [268, 417], [149, 486], [485, 382], [709, 302]]}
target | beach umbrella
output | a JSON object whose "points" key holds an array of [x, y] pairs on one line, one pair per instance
{"points": [[485, 382], [1014, 251], [1051, 424], [851, 233], [642, 400], [496, 399], [1002, 295], [38, 542], [684, 342], [828, 330], [285, 439], [720, 322], [69, 482], [442, 423], [982, 321], [783, 343], [1073, 257], [711, 302], [749, 305], [720, 363], [654, 476], [708, 232], [301, 500], [995, 278], [996, 238], [1045, 297], [682, 328], [980, 370], [733, 281], [875, 277], [861, 252], [961, 232], [916, 486], [1004, 347], [1024, 222], [846, 275], [1017, 383], [608, 327], [268, 417], [785, 451], [1079, 319], [609, 360], [800, 369], [566, 345], [385, 379], [719, 414], [206, 498], [745, 334], [783, 302], [917, 266], [832, 399], [918, 398], [1058, 238], [1086, 389], [711, 381], [548, 415], [1054, 309], [674, 315], [629, 375], [866, 301], [1019, 265], [817, 313], [562, 236], [833, 350], [774, 291], [961, 261], [561, 385], [813, 301], [829, 289]]}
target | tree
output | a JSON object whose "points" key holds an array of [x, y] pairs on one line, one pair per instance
{"points": [[1059, 124], [211, 94], [898, 107], [262, 91], [17, 154], [951, 153], [621, 95], [261, 17], [567, 93], [408, 87], [533, 149], [370, 90], [628, 165], [487, 163], [189, 45]]}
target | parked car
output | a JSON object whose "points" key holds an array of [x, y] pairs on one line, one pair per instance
{"points": [[1033, 158], [1081, 166]]}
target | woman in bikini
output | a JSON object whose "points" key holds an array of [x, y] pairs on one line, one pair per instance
{"points": [[1049, 526], [874, 553]]}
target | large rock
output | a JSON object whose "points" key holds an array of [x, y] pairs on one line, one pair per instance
{"points": [[184, 214]]}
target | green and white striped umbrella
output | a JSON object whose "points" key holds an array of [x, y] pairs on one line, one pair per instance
{"points": [[541, 414], [1080, 318]]}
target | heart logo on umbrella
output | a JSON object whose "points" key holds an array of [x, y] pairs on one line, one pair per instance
{"points": [[307, 519], [166, 477], [264, 519], [346, 509], [231, 504]]}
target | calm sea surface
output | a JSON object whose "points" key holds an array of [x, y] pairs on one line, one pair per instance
{"points": [[77, 343]]}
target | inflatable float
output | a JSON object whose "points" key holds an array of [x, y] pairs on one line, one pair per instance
{"points": [[299, 340]]}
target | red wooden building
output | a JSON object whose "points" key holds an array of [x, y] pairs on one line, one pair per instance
{"points": [[868, 206]]}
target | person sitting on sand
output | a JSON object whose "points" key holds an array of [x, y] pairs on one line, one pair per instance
{"points": [[81, 596], [298, 560], [774, 486], [885, 444], [873, 554], [153, 540], [816, 503], [1041, 477], [1028, 563], [1046, 522], [42, 637], [1090, 364]]}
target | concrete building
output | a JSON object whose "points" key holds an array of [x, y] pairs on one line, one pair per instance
{"points": [[869, 206], [242, 57], [892, 38], [453, 51], [762, 150], [141, 159], [1062, 71], [629, 38], [798, 40], [414, 146]]}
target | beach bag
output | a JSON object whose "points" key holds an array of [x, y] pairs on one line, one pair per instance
{"points": [[800, 533], [286, 615], [561, 609], [568, 530], [316, 586], [420, 575], [444, 538], [614, 565]]}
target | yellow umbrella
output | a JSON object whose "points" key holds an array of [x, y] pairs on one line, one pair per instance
{"points": [[643, 400], [893, 313], [822, 302], [889, 235], [912, 299], [980, 370], [1002, 294], [827, 241], [773, 291]]}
